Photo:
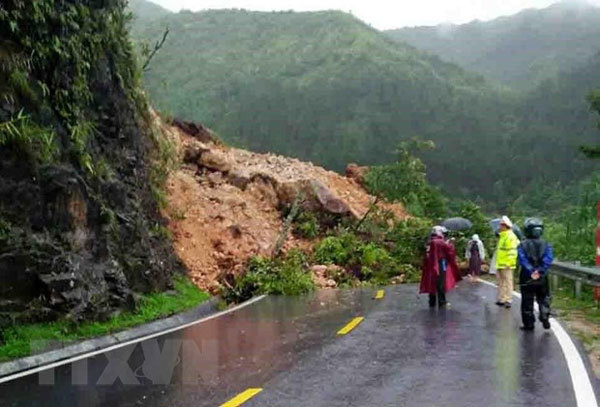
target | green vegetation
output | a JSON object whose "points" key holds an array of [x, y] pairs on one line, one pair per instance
{"points": [[371, 252], [361, 260], [165, 161], [287, 275], [29, 138], [520, 50], [292, 83], [18, 340], [564, 301], [583, 312], [146, 12], [570, 211], [377, 252], [40, 83], [594, 99], [306, 225], [405, 181], [336, 250]]}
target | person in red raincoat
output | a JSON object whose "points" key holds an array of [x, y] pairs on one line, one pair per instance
{"points": [[440, 270]]}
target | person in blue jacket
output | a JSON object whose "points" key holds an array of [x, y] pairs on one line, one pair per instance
{"points": [[535, 258]]}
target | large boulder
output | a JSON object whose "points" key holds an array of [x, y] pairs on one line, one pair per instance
{"points": [[215, 160], [240, 178], [196, 130], [357, 173], [321, 275], [328, 201], [316, 197], [193, 151]]}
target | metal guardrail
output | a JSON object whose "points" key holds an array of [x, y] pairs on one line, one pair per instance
{"points": [[580, 274]]}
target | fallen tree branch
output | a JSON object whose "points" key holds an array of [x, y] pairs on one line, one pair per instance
{"points": [[287, 225], [157, 47], [371, 208]]}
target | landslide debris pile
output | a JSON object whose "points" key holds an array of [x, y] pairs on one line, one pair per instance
{"points": [[80, 230], [227, 204]]}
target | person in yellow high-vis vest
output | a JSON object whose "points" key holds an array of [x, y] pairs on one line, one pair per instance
{"points": [[506, 262]]}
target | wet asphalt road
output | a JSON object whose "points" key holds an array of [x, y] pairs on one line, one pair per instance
{"points": [[402, 354]]}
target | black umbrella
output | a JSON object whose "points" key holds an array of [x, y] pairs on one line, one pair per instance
{"points": [[457, 224], [495, 225]]}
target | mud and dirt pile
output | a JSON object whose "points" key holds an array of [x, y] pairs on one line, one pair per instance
{"points": [[227, 205]]}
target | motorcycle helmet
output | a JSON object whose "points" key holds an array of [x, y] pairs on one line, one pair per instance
{"points": [[534, 228]]}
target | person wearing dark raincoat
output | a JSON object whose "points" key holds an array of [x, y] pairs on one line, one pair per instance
{"points": [[535, 258], [440, 271], [475, 253]]}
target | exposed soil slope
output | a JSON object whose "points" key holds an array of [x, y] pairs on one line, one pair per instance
{"points": [[225, 204]]}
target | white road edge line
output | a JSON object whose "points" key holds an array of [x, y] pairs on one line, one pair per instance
{"points": [[582, 385], [122, 345]]}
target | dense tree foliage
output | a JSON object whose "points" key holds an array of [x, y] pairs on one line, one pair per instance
{"points": [[593, 151], [519, 50], [327, 88], [405, 180]]}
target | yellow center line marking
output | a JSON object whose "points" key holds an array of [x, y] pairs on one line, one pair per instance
{"points": [[350, 326], [242, 398], [380, 294]]}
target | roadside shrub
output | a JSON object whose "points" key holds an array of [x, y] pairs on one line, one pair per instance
{"points": [[331, 251], [400, 252], [573, 243], [377, 265], [412, 274], [343, 277], [373, 256], [408, 239], [307, 225], [376, 225], [287, 276], [361, 260], [405, 181], [337, 249]]}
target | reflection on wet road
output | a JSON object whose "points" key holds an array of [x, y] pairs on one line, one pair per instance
{"points": [[401, 354]]}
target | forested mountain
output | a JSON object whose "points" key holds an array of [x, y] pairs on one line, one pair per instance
{"points": [[146, 12], [560, 107], [326, 87], [519, 50]]}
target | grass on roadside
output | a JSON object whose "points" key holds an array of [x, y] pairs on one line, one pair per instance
{"points": [[581, 315], [21, 341], [563, 300]]}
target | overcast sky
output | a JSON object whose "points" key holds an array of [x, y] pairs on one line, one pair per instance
{"points": [[382, 14]]}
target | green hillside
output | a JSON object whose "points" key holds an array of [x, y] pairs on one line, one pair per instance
{"points": [[519, 50], [145, 12], [560, 105], [328, 88]]}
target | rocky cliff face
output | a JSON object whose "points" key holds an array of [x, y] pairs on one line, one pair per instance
{"points": [[80, 230]]}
